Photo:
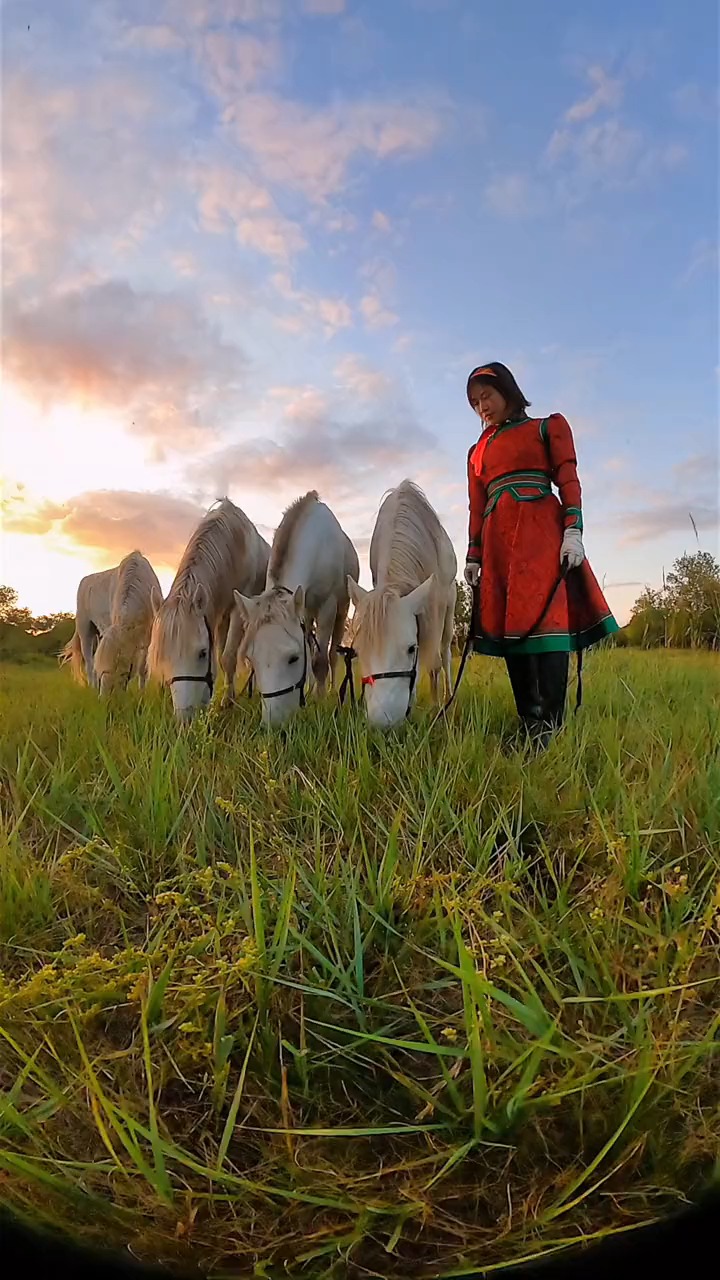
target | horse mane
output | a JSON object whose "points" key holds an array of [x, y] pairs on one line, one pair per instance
{"points": [[371, 619], [285, 531], [415, 532], [410, 550], [209, 558], [274, 605], [135, 577]]}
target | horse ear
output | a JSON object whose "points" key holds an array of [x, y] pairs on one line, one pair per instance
{"points": [[155, 600], [299, 600], [200, 598], [418, 598], [244, 604], [356, 592]]}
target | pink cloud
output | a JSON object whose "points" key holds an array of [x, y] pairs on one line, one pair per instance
{"points": [[312, 149], [332, 314], [153, 355], [606, 93], [114, 521]]}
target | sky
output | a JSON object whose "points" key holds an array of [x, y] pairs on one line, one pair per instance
{"points": [[253, 247]]}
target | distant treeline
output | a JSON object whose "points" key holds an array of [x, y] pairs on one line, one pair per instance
{"points": [[26, 638]]}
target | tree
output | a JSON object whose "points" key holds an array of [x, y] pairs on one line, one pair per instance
{"points": [[10, 612], [686, 612], [463, 609], [647, 627], [693, 598]]}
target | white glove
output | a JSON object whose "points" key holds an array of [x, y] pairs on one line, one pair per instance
{"points": [[472, 573], [572, 551]]}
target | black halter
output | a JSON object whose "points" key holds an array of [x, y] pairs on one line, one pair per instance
{"points": [[348, 654], [208, 677], [299, 684], [410, 674]]}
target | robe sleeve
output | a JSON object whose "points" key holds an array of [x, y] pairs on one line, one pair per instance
{"points": [[477, 502], [561, 448]]}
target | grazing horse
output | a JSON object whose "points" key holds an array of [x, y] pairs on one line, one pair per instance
{"points": [[405, 624], [306, 601], [113, 617], [190, 628]]}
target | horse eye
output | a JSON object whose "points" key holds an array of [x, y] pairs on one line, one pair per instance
{"points": [[411, 649], [202, 654], [295, 658]]}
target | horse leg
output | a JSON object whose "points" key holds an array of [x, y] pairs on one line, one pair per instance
{"points": [[140, 668], [325, 624], [446, 647], [228, 659], [88, 644], [337, 638]]}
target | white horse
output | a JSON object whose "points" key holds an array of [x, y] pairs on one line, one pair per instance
{"points": [[190, 628], [113, 617], [306, 596], [405, 624]]}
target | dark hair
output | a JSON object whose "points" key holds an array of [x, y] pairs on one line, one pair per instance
{"points": [[499, 376]]}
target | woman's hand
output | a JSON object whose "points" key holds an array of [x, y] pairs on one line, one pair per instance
{"points": [[472, 573], [572, 551]]}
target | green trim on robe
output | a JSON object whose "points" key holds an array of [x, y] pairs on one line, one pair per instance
{"points": [[557, 642]]}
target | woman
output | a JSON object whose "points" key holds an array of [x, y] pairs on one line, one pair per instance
{"points": [[536, 597]]}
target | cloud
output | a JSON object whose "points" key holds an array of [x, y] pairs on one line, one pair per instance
{"points": [[228, 198], [512, 195], [374, 307], [112, 520], [332, 314], [609, 154], [692, 498], [311, 150], [696, 102], [152, 38], [703, 261], [153, 355], [375, 314], [328, 440], [83, 163], [338, 458], [232, 63], [323, 8], [606, 93], [669, 517], [381, 222], [361, 380]]}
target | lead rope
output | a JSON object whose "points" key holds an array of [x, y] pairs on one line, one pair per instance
{"points": [[471, 635]]}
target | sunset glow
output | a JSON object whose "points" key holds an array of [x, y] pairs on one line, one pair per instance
{"points": [[253, 248]]}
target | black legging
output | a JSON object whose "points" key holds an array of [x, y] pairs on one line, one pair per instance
{"points": [[539, 684]]}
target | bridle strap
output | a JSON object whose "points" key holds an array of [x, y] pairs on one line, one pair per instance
{"points": [[410, 674], [299, 684], [208, 677]]}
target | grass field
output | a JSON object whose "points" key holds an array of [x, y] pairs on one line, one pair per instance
{"points": [[334, 1005]]}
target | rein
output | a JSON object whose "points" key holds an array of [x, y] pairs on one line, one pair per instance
{"points": [[510, 644], [208, 677]]}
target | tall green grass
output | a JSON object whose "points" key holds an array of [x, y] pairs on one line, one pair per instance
{"points": [[328, 1004]]}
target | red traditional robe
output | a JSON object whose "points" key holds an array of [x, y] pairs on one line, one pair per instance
{"points": [[516, 529]]}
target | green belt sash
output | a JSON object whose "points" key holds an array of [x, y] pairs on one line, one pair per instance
{"points": [[535, 485]]}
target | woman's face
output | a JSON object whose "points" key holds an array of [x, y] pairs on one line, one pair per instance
{"points": [[488, 403]]}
